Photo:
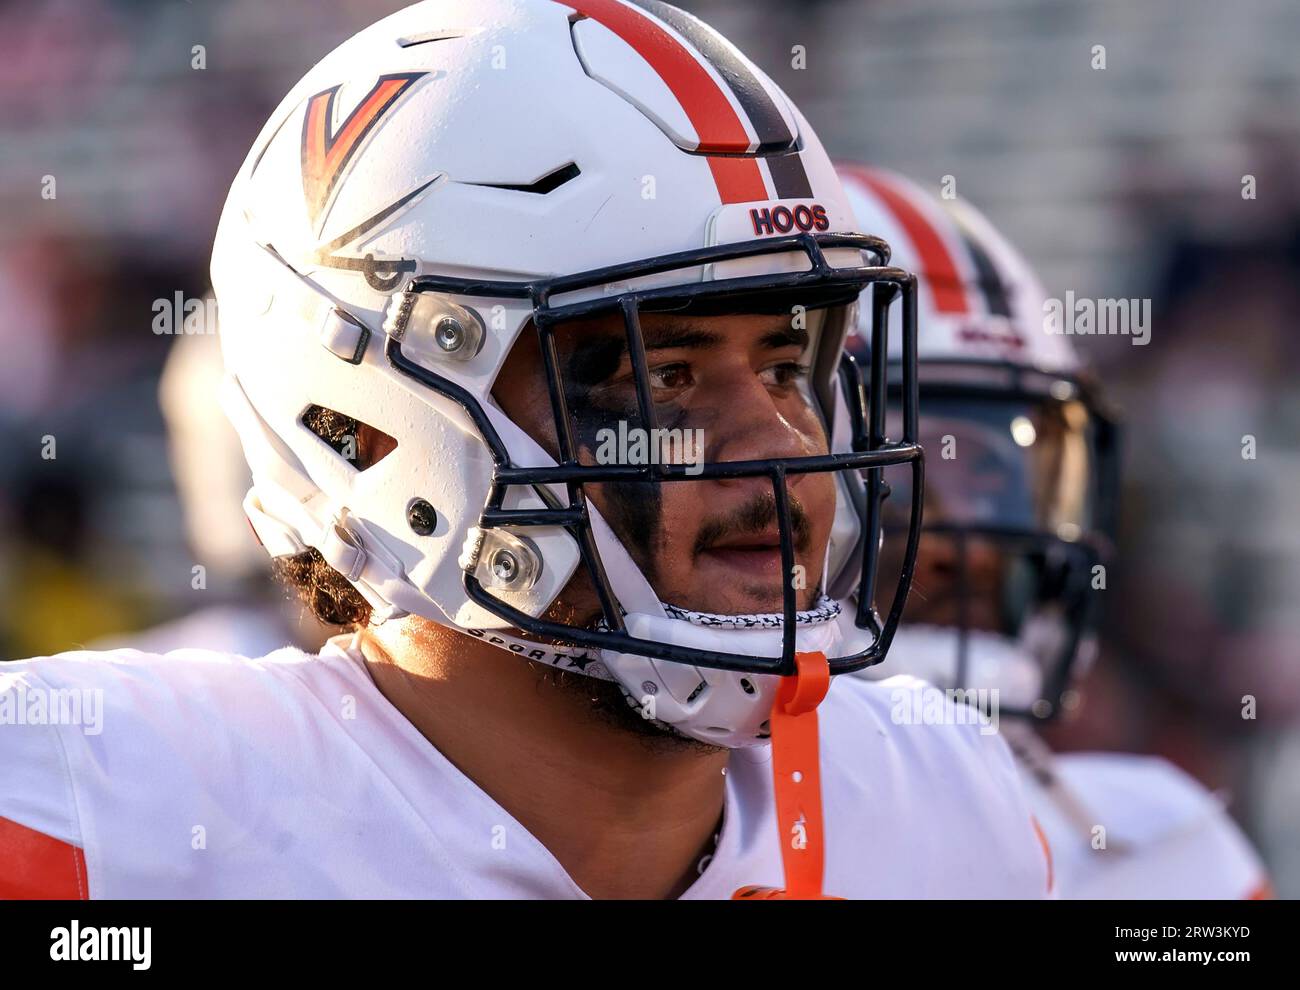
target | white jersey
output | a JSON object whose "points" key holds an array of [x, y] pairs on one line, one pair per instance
{"points": [[206, 775], [1122, 826]]}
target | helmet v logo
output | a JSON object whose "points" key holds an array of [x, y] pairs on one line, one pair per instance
{"points": [[326, 152]]}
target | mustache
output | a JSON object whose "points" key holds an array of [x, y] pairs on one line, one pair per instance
{"points": [[758, 515]]}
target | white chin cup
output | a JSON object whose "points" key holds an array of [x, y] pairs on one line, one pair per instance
{"points": [[725, 708], [994, 662]]}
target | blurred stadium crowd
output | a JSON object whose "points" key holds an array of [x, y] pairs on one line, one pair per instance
{"points": [[1122, 181]]}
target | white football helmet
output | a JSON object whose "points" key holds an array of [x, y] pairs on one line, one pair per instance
{"points": [[461, 173], [1019, 501]]}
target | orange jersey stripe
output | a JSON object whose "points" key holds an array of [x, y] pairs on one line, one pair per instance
{"points": [[1263, 891], [36, 866], [1047, 852]]}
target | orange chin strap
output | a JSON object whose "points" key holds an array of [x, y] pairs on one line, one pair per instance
{"points": [[796, 772]]}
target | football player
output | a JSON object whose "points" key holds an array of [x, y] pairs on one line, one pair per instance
{"points": [[532, 314], [1021, 486]]}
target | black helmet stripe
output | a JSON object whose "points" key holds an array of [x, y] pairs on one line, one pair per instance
{"points": [[769, 126], [789, 177], [992, 287]]}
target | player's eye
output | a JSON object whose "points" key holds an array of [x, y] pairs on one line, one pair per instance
{"points": [[784, 375], [671, 377]]}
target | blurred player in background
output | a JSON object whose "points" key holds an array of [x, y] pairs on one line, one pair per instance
{"points": [[250, 614], [1020, 506]]}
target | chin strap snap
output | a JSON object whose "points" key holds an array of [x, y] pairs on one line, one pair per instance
{"points": [[796, 771]]}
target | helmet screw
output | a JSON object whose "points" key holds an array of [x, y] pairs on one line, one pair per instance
{"points": [[505, 566], [649, 687], [449, 334], [421, 517]]}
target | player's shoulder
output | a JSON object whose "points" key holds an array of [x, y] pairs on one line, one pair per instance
{"points": [[181, 683], [910, 759], [209, 704], [105, 666], [65, 717], [111, 756], [932, 728], [1174, 833], [1151, 795], [119, 699]]}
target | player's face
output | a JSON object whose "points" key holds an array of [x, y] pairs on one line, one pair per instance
{"points": [[995, 464], [937, 595], [952, 577], [729, 388]]}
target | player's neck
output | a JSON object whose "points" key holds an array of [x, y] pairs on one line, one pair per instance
{"points": [[624, 818]]}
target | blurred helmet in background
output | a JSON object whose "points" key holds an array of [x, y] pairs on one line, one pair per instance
{"points": [[1021, 459]]}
